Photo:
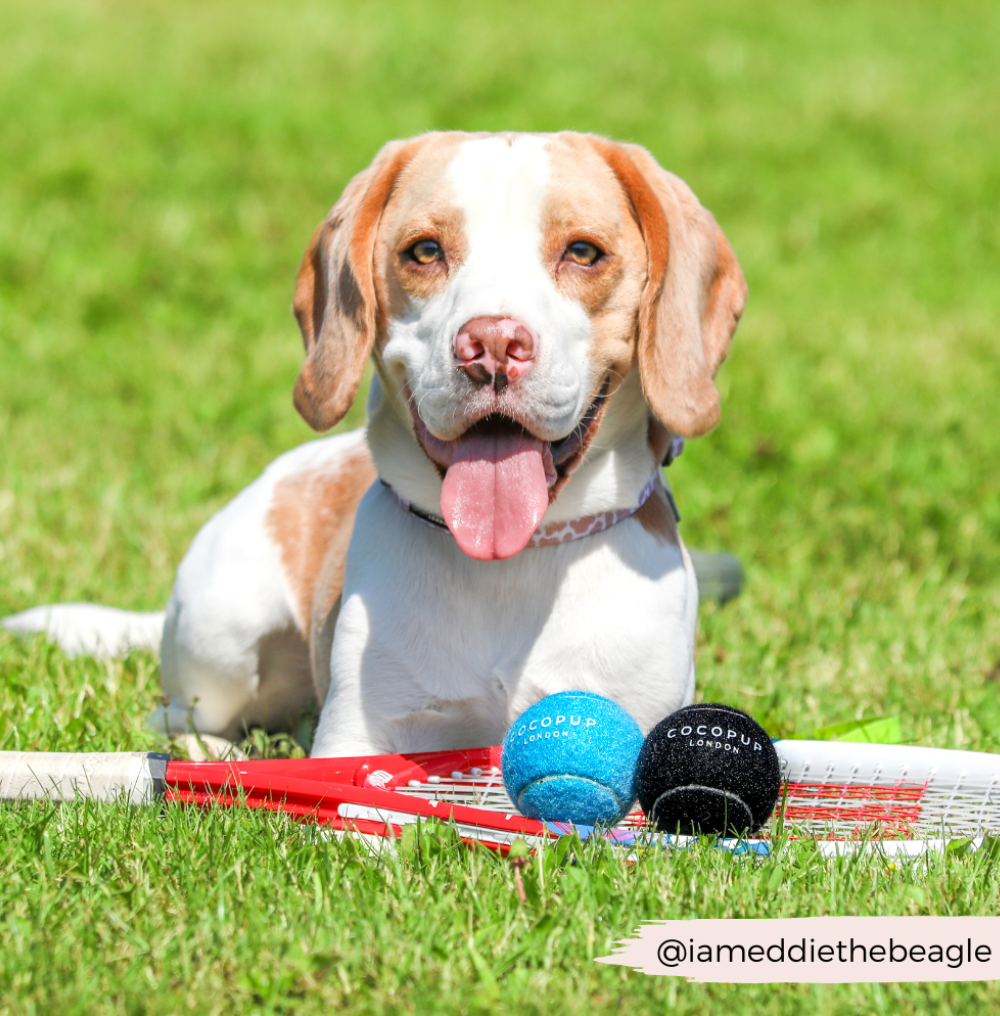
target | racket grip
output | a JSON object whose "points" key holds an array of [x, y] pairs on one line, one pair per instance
{"points": [[133, 776]]}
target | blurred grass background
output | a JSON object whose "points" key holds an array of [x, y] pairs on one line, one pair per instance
{"points": [[162, 167]]}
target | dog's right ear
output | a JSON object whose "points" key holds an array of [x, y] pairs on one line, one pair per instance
{"points": [[334, 299]]}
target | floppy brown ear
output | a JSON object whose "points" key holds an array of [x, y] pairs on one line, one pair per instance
{"points": [[694, 294], [334, 300]]}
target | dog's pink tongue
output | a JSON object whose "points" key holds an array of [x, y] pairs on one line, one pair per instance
{"points": [[495, 494]]}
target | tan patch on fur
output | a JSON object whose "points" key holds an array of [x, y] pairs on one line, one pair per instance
{"points": [[352, 281], [308, 304], [586, 202], [397, 280], [694, 293], [657, 518], [421, 205], [659, 439], [439, 221], [311, 519], [335, 300], [727, 296], [649, 216]]}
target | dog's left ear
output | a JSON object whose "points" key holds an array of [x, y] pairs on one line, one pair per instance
{"points": [[334, 299], [694, 294]]}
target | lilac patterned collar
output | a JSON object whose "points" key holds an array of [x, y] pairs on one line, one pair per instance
{"points": [[554, 533]]}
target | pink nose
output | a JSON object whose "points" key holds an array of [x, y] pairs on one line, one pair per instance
{"points": [[495, 350]]}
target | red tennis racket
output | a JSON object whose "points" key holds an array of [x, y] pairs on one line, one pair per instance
{"points": [[370, 795]]}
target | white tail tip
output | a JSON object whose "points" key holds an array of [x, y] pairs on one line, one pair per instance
{"points": [[86, 629]]}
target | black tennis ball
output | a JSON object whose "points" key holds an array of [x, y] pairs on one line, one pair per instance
{"points": [[708, 769]]}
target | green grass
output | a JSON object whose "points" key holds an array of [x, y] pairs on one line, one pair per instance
{"points": [[161, 169]]}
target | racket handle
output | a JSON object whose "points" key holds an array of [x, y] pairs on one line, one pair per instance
{"points": [[134, 776]]}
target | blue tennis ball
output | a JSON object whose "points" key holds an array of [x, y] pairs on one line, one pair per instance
{"points": [[571, 758]]}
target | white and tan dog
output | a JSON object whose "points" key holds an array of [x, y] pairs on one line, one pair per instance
{"points": [[545, 314]]}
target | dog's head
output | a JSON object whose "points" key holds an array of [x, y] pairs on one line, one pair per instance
{"points": [[508, 288]]}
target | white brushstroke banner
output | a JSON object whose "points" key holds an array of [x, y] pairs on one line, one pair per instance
{"points": [[816, 950]]}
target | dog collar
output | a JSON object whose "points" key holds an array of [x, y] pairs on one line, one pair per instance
{"points": [[554, 533]]}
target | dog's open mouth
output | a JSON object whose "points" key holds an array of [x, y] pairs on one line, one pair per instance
{"points": [[498, 479]]}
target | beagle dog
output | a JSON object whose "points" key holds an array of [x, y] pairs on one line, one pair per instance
{"points": [[545, 315]]}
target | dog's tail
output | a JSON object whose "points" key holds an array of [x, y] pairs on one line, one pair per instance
{"points": [[86, 629]]}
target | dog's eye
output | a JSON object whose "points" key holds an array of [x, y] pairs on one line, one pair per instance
{"points": [[425, 252], [581, 252]]}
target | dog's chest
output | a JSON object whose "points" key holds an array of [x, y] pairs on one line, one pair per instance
{"points": [[425, 630]]}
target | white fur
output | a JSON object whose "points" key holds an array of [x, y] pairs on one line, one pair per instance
{"points": [[470, 644]]}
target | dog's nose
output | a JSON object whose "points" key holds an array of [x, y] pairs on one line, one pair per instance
{"points": [[495, 350]]}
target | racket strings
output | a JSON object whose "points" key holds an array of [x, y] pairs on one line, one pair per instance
{"points": [[484, 788], [900, 811], [478, 788], [814, 810]]}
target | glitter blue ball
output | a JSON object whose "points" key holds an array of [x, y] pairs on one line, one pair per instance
{"points": [[571, 758]]}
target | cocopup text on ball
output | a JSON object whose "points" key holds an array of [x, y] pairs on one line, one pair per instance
{"points": [[547, 721], [703, 731]]}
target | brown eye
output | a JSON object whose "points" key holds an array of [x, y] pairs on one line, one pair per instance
{"points": [[426, 252], [581, 252]]}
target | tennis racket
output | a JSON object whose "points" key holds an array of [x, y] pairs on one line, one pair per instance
{"points": [[374, 796], [899, 796]]}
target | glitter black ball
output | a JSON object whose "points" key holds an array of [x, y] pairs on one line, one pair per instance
{"points": [[708, 769]]}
